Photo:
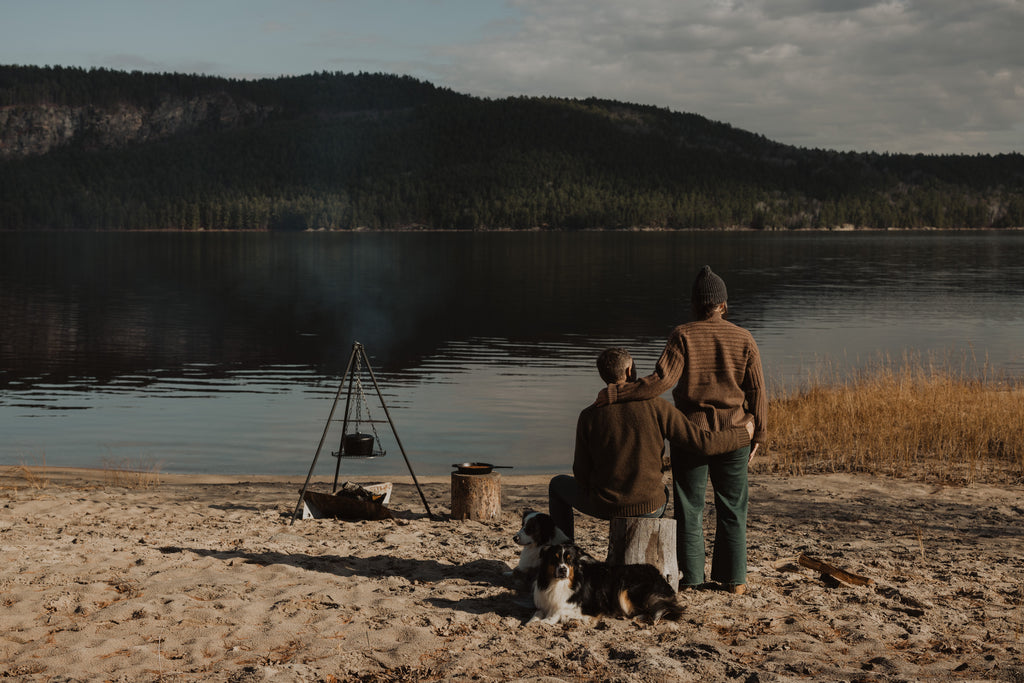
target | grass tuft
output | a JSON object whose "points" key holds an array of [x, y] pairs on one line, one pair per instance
{"points": [[26, 476], [143, 474], [33, 479]]}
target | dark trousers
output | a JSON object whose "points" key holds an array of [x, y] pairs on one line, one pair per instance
{"points": [[563, 498], [728, 474]]}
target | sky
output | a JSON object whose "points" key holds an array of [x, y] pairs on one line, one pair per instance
{"points": [[900, 76]]}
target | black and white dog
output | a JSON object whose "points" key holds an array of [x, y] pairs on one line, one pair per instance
{"points": [[566, 588], [538, 530]]}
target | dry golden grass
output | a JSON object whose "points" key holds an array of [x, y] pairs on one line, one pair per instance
{"points": [[911, 419], [32, 478], [24, 476], [143, 474]]}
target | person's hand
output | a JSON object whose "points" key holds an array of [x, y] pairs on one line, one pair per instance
{"points": [[602, 400], [753, 451], [750, 432]]}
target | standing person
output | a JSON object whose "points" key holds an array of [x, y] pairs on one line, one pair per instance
{"points": [[715, 369], [618, 456]]}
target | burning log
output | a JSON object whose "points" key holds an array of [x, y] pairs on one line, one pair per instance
{"points": [[351, 502]]}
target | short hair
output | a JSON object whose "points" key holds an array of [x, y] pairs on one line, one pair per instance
{"points": [[613, 364], [705, 311]]}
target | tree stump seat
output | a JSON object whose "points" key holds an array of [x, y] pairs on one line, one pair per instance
{"points": [[476, 496], [645, 540]]}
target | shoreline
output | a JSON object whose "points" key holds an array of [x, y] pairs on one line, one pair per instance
{"points": [[92, 476], [39, 476]]}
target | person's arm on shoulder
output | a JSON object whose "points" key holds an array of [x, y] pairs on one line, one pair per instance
{"points": [[666, 373], [682, 432]]}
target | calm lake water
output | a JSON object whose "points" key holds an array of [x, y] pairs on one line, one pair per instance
{"points": [[223, 353]]}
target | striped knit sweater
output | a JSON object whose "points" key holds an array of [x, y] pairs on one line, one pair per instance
{"points": [[715, 369]]}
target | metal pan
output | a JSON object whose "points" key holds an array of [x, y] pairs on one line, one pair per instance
{"points": [[477, 467]]}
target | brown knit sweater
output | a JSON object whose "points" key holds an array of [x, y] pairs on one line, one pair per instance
{"points": [[715, 368], [619, 448]]}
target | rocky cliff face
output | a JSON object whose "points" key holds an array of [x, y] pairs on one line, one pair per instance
{"points": [[29, 130]]}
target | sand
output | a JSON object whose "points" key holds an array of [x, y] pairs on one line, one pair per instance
{"points": [[205, 579]]}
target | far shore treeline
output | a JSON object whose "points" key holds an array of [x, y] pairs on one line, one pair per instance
{"points": [[107, 150]]}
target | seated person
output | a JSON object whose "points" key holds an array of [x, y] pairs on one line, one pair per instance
{"points": [[619, 446]]}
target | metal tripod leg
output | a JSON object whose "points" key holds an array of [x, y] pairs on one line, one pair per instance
{"points": [[395, 431], [344, 424], [323, 438]]}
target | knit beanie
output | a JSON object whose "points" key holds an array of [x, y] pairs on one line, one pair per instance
{"points": [[708, 289]]}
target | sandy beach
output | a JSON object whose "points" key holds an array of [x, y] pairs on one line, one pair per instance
{"points": [[204, 579]]}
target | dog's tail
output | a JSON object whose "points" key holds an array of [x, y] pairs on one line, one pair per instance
{"points": [[660, 606]]}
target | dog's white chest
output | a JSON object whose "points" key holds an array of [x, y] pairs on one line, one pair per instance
{"points": [[553, 604], [529, 558]]}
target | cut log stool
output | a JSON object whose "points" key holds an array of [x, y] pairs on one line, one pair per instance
{"points": [[476, 496], [640, 540]]}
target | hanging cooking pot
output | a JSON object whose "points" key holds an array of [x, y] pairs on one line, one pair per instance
{"points": [[357, 444], [477, 467]]}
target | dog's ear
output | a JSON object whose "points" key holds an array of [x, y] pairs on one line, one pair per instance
{"points": [[572, 553]]}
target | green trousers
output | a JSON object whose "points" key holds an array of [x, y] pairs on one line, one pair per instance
{"points": [[728, 474]]}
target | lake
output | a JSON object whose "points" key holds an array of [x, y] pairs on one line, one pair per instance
{"points": [[223, 353]]}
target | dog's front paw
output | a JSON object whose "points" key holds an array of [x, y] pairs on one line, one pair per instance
{"points": [[539, 616]]}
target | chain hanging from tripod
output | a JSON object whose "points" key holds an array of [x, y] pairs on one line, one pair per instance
{"points": [[360, 405]]}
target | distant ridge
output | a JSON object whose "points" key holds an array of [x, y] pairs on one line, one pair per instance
{"points": [[100, 149]]}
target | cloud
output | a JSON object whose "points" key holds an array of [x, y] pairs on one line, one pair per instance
{"points": [[886, 75]]}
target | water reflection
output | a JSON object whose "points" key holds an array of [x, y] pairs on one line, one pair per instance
{"points": [[220, 352]]}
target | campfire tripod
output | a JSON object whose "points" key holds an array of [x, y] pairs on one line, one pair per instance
{"points": [[357, 359]]}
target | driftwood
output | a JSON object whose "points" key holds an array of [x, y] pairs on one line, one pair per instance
{"points": [[351, 502], [644, 540], [834, 572], [476, 496]]}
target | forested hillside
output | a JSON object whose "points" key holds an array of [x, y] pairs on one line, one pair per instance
{"points": [[99, 149]]}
